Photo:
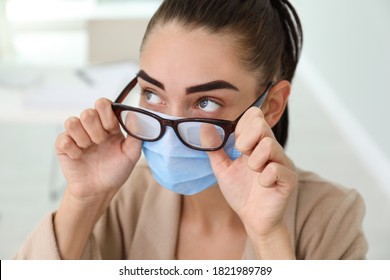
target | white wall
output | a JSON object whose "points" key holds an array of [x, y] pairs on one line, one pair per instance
{"points": [[339, 104], [348, 43], [4, 38]]}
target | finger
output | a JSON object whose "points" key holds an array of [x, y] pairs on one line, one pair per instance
{"points": [[219, 161], [107, 116], [131, 147], [76, 131], [209, 137], [92, 124], [244, 121], [65, 145], [277, 175], [267, 150], [249, 136]]}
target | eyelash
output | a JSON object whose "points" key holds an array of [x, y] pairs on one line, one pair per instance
{"points": [[208, 98], [144, 92]]}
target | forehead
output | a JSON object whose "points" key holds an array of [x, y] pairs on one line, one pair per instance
{"points": [[172, 52]]}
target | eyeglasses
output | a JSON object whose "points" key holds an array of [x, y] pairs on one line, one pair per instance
{"points": [[202, 134]]}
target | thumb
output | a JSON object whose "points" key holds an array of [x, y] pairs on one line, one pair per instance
{"points": [[219, 161], [131, 147], [210, 136]]}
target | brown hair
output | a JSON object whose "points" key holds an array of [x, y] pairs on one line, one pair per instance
{"points": [[268, 35]]}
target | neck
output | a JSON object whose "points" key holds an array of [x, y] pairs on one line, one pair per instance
{"points": [[209, 209]]}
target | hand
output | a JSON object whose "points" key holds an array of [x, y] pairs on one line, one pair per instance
{"points": [[96, 160], [258, 184], [94, 155]]}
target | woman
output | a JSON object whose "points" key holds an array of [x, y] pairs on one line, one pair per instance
{"points": [[223, 195]]}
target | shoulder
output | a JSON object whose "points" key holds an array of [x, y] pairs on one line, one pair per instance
{"points": [[320, 198], [313, 191], [328, 219]]}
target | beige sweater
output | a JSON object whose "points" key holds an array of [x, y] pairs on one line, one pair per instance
{"points": [[325, 222]]}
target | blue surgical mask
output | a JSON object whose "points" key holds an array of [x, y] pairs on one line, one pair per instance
{"points": [[179, 168]]}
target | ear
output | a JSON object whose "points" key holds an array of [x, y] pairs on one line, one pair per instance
{"points": [[276, 102]]}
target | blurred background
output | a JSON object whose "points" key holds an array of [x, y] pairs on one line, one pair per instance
{"points": [[58, 56]]}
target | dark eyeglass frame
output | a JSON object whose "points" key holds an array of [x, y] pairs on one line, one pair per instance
{"points": [[226, 125]]}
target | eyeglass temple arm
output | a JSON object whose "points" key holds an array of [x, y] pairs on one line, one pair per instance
{"points": [[126, 91], [259, 102]]}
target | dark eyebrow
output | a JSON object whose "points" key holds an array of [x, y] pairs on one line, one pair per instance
{"points": [[198, 88], [142, 74], [211, 86]]}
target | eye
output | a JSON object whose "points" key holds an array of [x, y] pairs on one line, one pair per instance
{"points": [[151, 97], [208, 105]]}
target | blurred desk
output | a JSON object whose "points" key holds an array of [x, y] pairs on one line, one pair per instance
{"points": [[15, 102], [52, 95]]}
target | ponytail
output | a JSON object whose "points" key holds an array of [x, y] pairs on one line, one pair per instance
{"points": [[293, 37]]}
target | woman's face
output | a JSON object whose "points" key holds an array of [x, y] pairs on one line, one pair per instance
{"points": [[193, 74]]}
